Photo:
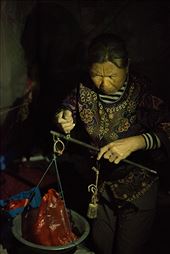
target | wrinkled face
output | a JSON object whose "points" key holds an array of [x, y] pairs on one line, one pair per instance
{"points": [[107, 77]]}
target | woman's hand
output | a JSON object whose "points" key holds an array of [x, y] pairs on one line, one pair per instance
{"points": [[64, 120], [121, 148]]}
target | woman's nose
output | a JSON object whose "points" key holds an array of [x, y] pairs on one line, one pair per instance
{"points": [[104, 81]]}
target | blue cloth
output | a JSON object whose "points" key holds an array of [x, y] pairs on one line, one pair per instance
{"points": [[34, 202]]}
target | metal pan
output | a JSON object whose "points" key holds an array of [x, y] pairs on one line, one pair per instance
{"points": [[79, 221]]}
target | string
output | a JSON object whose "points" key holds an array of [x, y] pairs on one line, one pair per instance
{"points": [[58, 179], [26, 208], [61, 190], [54, 160]]}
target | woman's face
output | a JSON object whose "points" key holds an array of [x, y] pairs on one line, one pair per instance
{"points": [[107, 77]]}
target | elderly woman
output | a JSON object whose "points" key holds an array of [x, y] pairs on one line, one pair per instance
{"points": [[124, 120]]}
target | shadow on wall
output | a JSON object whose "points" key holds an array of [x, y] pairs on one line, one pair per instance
{"points": [[52, 41], [56, 35]]}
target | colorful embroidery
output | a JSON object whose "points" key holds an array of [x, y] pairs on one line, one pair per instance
{"points": [[132, 114], [99, 118], [131, 186]]}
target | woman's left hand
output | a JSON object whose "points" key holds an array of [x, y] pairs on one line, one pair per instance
{"points": [[121, 148]]}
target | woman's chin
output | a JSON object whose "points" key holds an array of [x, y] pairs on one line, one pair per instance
{"points": [[108, 92]]}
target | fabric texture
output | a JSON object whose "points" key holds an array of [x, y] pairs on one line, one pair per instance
{"points": [[136, 112]]}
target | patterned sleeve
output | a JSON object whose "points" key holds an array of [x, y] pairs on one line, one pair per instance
{"points": [[70, 102], [152, 141], [155, 117]]}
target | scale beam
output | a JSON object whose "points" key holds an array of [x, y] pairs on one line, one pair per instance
{"points": [[68, 138]]}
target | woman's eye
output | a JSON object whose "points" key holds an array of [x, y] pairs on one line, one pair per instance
{"points": [[97, 76]]}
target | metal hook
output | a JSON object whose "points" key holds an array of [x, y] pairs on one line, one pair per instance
{"points": [[58, 147]]}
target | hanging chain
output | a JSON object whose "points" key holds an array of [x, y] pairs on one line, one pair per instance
{"points": [[93, 205]]}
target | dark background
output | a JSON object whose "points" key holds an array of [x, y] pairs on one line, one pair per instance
{"points": [[46, 41]]}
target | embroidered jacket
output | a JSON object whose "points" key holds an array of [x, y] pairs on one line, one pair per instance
{"points": [[136, 112]]}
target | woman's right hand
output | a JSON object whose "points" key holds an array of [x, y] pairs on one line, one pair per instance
{"points": [[64, 120]]}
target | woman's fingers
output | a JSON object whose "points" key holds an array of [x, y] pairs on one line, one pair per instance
{"points": [[65, 121], [67, 127], [110, 153], [102, 151]]}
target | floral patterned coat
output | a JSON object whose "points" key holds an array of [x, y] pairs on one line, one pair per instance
{"points": [[136, 112]]}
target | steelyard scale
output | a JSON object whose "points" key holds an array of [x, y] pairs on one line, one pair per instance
{"points": [[59, 147]]}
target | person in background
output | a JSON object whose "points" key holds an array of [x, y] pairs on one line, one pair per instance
{"points": [[121, 117]]}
